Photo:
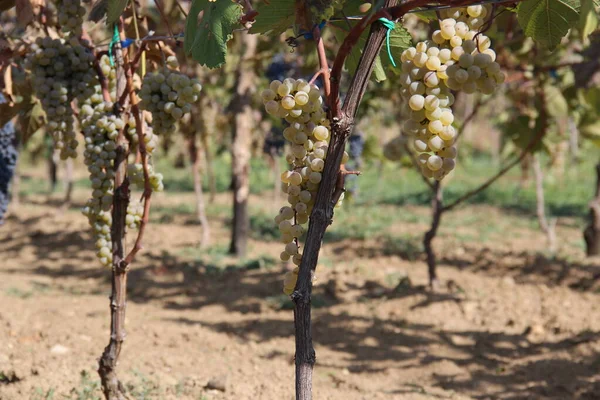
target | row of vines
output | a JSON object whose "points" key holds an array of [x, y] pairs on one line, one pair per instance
{"points": [[113, 81]]}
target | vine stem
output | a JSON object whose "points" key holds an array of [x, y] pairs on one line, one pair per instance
{"points": [[139, 126], [323, 63], [161, 11], [107, 368]]}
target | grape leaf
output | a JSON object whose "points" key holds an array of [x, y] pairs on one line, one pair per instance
{"points": [[548, 21], [206, 40], [555, 102], [30, 121], [400, 40], [427, 16], [98, 10], [276, 16], [588, 21], [114, 10]]}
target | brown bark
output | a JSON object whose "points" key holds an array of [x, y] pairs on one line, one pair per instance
{"points": [[107, 369], [548, 227], [592, 231], [437, 208], [242, 140], [200, 209]]}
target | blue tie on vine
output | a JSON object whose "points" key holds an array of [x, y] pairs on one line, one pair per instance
{"points": [[390, 25]]}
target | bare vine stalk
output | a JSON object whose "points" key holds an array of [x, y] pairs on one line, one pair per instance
{"points": [[111, 386]]}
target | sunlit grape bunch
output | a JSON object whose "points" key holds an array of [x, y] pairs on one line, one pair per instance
{"points": [[61, 70], [457, 58], [168, 95], [70, 16], [301, 105], [135, 211], [136, 177], [100, 127]]}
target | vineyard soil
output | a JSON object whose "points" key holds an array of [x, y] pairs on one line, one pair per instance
{"points": [[509, 321]]}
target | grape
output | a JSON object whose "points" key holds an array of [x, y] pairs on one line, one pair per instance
{"points": [[70, 16], [301, 105], [61, 71], [169, 94], [8, 159], [457, 58]]}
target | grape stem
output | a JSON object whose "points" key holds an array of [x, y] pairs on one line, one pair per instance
{"points": [[323, 63], [139, 126], [163, 16]]}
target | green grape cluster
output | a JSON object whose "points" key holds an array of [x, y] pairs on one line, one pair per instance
{"points": [[135, 212], [301, 105], [70, 16], [457, 58], [100, 127], [136, 177], [168, 95], [61, 71]]}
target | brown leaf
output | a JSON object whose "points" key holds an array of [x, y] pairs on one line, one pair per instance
{"points": [[8, 83], [6, 4], [24, 12]]}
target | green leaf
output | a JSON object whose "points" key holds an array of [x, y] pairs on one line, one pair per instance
{"points": [[114, 10], [548, 21], [427, 16], [555, 102], [206, 40], [588, 20], [400, 40], [30, 121], [276, 16], [591, 131]]}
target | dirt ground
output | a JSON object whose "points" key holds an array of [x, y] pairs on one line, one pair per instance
{"points": [[509, 322]]}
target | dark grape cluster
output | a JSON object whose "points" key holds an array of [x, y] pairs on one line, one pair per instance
{"points": [[61, 71], [8, 161], [70, 16]]}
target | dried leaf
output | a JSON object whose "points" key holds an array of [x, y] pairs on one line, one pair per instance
{"points": [[8, 84], [24, 12], [6, 5]]}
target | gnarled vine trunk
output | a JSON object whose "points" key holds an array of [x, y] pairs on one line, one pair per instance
{"points": [[592, 231], [242, 140]]}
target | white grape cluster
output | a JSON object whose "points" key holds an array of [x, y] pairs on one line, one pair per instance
{"points": [[135, 172], [135, 212], [100, 127], [301, 105], [168, 95], [457, 58], [70, 16], [61, 71]]}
